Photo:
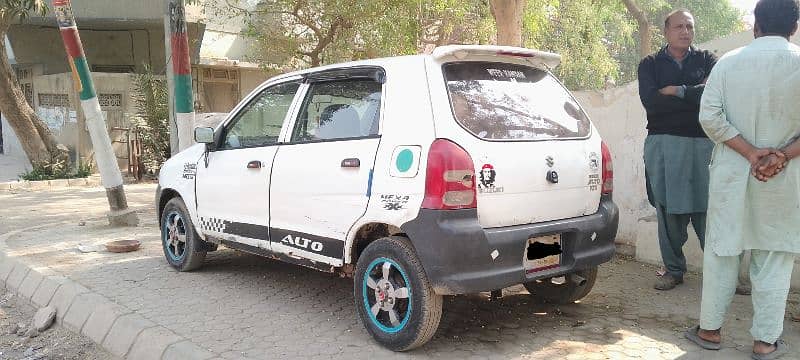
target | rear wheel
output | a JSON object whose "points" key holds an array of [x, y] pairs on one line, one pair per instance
{"points": [[393, 295], [182, 246], [575, 287]]}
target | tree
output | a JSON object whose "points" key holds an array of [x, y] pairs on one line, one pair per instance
{"points": [[599, 40], [508, 17], [713, 19], [580, 31], [645, 37], [297, 33], [35, 137]]}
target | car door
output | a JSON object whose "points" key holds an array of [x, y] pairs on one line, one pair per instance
{"points": [[233, 181], [322, 174]]}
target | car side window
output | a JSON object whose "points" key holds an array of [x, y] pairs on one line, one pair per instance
{"points": [[343, 109], [260, 122]]}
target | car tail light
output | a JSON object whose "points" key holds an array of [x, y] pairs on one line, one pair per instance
{"points": [[608, 170], [450, 178]]}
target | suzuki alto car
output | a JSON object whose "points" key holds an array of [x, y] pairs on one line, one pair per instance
{"points": [[467, 170]]}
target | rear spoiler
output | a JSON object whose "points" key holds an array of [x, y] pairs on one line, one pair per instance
{"points": [[535, 57]]}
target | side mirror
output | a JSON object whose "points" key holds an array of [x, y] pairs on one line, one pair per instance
{"points": [[204, 135]]}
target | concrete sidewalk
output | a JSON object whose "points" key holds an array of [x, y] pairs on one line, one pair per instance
{"points": [[240, 306]]}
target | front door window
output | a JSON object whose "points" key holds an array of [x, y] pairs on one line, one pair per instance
{"points": [[260, 122]]}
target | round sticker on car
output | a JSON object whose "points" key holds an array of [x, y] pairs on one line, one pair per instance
{"points": [[405, 161]]}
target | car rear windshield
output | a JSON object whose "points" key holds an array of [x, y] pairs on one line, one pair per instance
{"points": [[500, 101]]}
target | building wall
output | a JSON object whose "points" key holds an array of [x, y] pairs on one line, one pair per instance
{"points": [[58, 105], [13, 160], [135, 48], [127, 10], [620, 119]]}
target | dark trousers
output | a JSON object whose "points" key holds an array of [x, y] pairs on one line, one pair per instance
{"points": [[672, 235]]}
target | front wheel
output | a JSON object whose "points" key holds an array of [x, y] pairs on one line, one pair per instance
{"points": [[394, 297], [182, 246], [575, 287]]}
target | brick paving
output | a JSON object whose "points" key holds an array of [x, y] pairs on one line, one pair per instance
{"points": [[240, 306]]}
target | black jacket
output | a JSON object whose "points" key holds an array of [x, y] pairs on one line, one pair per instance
{"points": [[670, 114]]}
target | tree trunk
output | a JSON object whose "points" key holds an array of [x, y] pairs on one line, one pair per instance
{"points": [[645, 39], [36, 139], [508, 18]]}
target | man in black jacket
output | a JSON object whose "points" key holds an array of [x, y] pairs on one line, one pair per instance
{"points": [[677, 151]]}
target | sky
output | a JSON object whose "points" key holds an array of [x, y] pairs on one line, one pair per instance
{"points": [[747, 7]]}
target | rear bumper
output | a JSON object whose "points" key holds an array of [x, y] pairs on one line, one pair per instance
{"points": [[457, 253]]}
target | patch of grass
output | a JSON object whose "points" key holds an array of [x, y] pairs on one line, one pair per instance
{"points": [[56, 169]]}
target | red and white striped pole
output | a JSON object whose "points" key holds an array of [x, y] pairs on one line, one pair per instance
{"points": [[104, 155], [182, 100]]}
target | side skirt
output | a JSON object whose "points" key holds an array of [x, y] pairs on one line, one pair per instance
{"points": [[280, 257]]}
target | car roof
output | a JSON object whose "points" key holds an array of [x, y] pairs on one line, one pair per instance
{"points": [[536, 58]]}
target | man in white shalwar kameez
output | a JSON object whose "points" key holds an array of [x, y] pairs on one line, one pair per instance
{"points": [[751, 110]]}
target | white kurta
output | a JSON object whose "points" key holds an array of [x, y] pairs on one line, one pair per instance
{"points": [[753, 91]]}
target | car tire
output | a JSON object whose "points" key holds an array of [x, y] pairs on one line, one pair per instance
{"points": [[182, 246], [568, 292], [393, 296]]}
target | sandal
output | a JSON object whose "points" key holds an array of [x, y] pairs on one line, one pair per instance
{"points": [[780, 350], [692, 335]]}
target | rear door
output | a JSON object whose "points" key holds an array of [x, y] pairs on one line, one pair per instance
{"points": [[322, 174], [535, 157]]}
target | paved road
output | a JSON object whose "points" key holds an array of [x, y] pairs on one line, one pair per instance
{"points": [[242, 306]]}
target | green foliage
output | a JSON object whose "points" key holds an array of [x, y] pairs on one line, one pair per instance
{"points": [[597, 39], [55, 168], [150, 96], [22, 9], [713, 19], [296, 34], [578, 30]]}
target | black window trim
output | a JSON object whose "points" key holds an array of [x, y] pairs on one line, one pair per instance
{"points": [[220, 135], [372, 72], [453, 111]]}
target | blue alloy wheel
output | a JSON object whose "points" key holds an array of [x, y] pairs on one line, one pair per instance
{"points": [[387, 295], [174, 236]]}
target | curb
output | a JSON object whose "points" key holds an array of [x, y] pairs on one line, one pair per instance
{"points": [[49, 184], [118, 330]]}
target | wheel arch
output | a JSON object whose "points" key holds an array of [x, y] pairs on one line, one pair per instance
{"points": [[168, 194], [164, 197], [367, 234]]}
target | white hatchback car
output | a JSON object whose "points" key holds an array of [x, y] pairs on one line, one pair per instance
{"points": [[468, 170]]}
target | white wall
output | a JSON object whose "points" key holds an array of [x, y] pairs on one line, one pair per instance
{"points": [[620, 118], [13, 160]]}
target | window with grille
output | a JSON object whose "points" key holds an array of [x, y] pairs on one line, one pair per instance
{"points": [[110, 100], [53, 100]]}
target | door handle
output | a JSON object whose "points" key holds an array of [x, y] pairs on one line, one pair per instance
{"points": [[351, 163], [255, 164]]}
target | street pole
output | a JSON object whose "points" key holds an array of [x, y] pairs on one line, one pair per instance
{"points": [[110, 175], [183, 103], [173, 126]]}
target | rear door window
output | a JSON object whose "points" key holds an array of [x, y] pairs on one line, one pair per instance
{"points": [[344, 109], [500, 101]]}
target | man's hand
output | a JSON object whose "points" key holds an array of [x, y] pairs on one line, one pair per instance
{"points": [[755, 155], [769, 165], [669, 90]]}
